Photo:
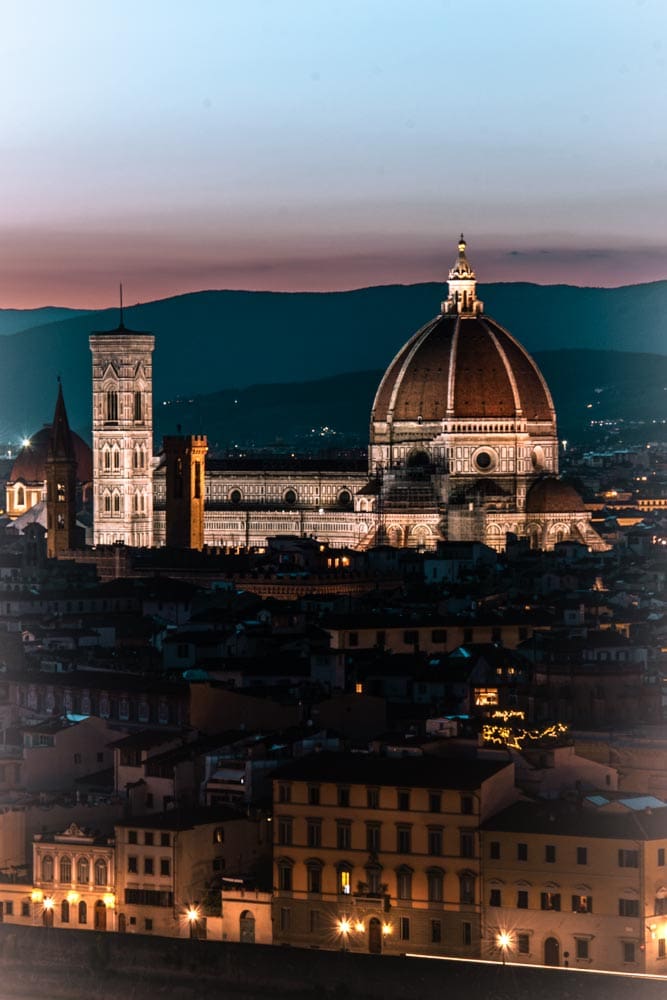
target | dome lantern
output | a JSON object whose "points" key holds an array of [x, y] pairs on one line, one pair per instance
{"points": [[462, 285]]}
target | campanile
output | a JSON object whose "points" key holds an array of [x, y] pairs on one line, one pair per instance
{"points": [[122, 436]]}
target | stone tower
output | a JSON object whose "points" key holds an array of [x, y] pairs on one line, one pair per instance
{"points": [[122, 436], [60, 485], [185, 458]]}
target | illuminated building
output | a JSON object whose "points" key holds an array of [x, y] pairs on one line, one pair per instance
{"points": [[463, 446], [74, 880], [375, 854], [580, 883], [122, 436]]}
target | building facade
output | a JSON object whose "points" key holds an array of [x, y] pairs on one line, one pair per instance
{"points": [[580, 884], [381, 855], [463, 446]]}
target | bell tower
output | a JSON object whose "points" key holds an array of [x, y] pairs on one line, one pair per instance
{"points": [[122, 435], [62, 534]]}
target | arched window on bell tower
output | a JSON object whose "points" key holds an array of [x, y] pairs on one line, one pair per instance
{"points": [[111, 406]]}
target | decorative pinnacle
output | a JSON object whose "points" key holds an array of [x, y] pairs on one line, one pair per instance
{"points": [[462, 298]]}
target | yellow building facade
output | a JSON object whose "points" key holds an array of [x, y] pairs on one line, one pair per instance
{"points": [[381, 855], [579, 884]]}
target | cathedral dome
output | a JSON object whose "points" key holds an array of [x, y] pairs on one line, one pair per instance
{"points": [[462, 365], [30, 464], [553, 496]]}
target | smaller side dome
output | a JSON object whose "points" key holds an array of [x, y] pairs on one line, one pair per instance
{"points": [[30, 463], [553, 496]]}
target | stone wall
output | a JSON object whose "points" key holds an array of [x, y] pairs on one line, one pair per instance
{"points": [[69, 965]]}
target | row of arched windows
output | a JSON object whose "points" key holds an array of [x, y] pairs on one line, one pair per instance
{"points": [[66, 911], [111, 457], [111, 406], [82, 870]]}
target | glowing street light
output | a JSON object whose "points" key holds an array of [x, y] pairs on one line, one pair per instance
{"points": [[192, 915], [344, 926], [504, 942], [49, 903]]}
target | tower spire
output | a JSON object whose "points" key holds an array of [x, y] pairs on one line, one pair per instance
{"points": [[462, 282], [60, 441]]}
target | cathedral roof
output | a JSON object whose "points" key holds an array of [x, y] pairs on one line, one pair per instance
{"points": [[553, 496], [30, 464], [462, 365]]}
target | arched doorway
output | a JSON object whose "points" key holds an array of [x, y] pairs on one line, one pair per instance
{"points": [[418, 459], [100, 916], [395, 536], [247, 928], [374, 936], [551, 951], [122, 923], [47, 916]]}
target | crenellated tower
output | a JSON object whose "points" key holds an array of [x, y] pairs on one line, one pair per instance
{"points": [[122, 435], [185, 460]]}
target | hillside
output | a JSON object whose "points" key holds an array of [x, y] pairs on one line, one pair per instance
{"points": [[616, 384], [207, 341], [15, 320]]}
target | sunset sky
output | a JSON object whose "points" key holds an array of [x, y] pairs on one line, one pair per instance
{"points": [[313, 144]]}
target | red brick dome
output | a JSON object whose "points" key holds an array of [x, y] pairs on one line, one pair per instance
{"points": [[553, 496], [463, 365], [30, 464]]}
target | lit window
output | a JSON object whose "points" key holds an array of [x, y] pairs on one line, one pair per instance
{"points": [[344, 881]]}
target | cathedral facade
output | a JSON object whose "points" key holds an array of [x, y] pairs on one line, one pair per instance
{"points": [[463, 446]]}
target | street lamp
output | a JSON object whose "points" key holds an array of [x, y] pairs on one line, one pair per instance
{"points": [[192, 915], [504, 943]]}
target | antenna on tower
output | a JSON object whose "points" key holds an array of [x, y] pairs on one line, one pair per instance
{"points": [[121, 324]]}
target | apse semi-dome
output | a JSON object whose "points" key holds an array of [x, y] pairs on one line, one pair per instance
{"points": [[30, 463], [553, 496]]}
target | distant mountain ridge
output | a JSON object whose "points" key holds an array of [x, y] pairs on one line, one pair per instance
{"points": [[586, 385], [15, 320], [208, 341]]}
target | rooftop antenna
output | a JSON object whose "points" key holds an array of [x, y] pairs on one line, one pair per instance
{"points": [[121, 324]]}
